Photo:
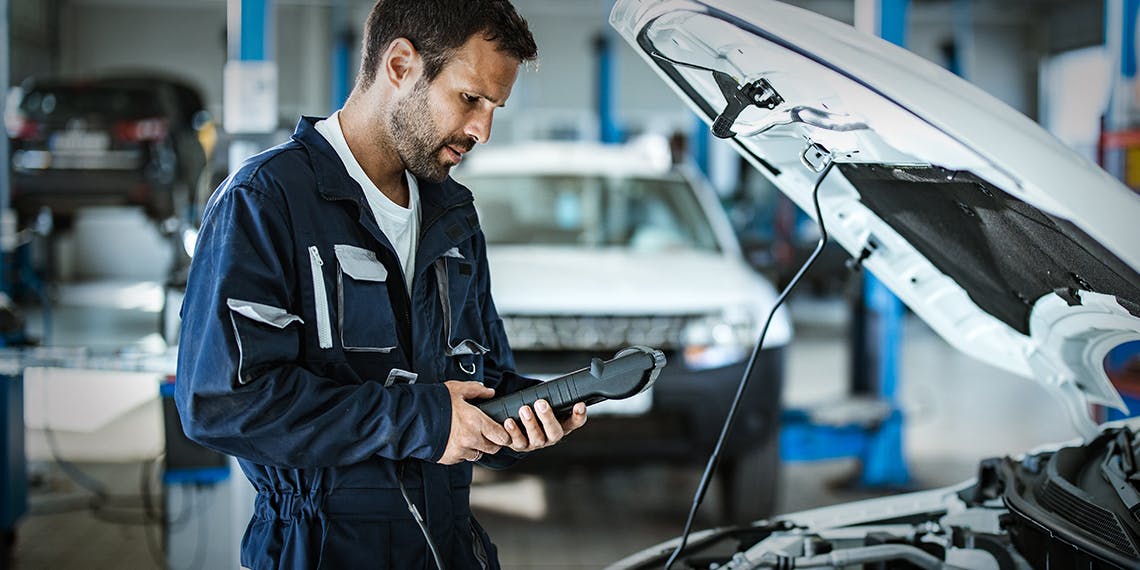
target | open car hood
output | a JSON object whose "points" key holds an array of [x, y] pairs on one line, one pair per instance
{"points": [[1012, 247]]}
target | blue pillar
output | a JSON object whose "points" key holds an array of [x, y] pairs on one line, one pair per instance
{"points": [[608, 130], [250, 88], [1120, 37], [883, 461], [13, 462], [699, 149], [5, 181], [250, 37], [341, 64]]}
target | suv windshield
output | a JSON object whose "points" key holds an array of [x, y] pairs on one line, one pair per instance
{"points": [[635, 213], [63, 102]]}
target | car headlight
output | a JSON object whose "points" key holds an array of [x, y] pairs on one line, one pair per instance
{"points": [[718, 340]]}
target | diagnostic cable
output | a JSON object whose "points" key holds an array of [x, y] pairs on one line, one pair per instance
{"points": [[714, 459]]}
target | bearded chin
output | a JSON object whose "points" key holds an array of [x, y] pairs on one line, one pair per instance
{"points": [[424, 164], [415, 140]]}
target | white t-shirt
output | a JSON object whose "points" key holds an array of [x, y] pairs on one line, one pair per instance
{"points": [[400, 225]]}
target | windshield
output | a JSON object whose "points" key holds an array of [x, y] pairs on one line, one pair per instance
{"points": [[635, 213]]}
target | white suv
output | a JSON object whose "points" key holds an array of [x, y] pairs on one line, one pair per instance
{"points": [[597, 247]]}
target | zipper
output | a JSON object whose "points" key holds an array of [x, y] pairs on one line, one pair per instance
{"points": [[324, 325]]}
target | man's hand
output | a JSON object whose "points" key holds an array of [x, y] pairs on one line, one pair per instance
{"points": [[472, 432], [541, 428]]}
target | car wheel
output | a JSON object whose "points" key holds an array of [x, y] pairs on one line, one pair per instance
{"points": [[749, 482]]}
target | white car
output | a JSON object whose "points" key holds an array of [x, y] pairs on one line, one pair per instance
{"points": [[1013, 248], [596, 247]]}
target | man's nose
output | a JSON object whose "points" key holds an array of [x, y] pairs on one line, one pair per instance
{"points": [[479, 127]]}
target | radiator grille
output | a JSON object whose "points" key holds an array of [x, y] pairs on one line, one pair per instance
{"points": [[594, 332]]}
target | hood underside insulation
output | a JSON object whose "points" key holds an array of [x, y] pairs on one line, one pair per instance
{"points": [[1004, 252]]}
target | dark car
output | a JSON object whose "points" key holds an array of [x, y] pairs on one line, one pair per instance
{"points": [[126, 140]]}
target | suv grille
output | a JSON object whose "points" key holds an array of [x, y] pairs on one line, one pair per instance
{"points": [[548, 332]]}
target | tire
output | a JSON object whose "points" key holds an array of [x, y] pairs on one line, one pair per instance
{"points": [[749, 483]]}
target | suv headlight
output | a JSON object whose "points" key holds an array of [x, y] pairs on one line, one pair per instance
{"points": [[718, 340]]}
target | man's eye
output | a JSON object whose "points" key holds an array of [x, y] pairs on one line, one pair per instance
{"points": [[470, 98]]}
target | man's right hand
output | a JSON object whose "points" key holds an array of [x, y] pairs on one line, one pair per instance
{"points": [[473, 433]]}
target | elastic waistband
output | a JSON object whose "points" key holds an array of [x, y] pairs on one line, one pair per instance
{"points": [[370, 504]]}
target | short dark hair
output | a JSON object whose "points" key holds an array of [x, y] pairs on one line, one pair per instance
{"points": [[436, 28]]}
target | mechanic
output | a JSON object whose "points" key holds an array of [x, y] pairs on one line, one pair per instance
{"points": [[338, 318]]}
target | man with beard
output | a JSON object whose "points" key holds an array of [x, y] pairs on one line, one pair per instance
{"points": [[338, 319]]}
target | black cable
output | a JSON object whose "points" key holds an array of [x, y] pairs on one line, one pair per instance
{"points": [[714, 459], [419, 519]]}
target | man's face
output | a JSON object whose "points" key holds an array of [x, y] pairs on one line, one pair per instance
{"points": [[440, 120]]}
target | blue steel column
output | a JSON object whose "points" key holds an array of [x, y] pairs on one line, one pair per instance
{"points": [[5, 180], [699, 149], [1120, 21], [13, 461], [250, 39], [883, 461], [343, 36], [609, 131], [1120, 129]]}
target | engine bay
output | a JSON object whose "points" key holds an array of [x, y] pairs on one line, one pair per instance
{"points": [[1073, 507]]}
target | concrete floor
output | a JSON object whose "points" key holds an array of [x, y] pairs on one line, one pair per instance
{"points": [[958, 411]]}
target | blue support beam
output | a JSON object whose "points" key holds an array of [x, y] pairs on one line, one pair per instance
{"points": [[699, 149], [13, 461], [250, 31], [884, 464], [1128, 38], [340, 66], [608, 129], [5, 180], [883, 461]]}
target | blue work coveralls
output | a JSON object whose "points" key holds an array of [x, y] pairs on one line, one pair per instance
{"points": [[303, 355]]}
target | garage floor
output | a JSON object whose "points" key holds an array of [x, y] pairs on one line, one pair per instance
{"points": [[958, 411]]}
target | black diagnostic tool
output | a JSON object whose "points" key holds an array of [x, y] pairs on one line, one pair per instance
{"points": [[631, 371]]}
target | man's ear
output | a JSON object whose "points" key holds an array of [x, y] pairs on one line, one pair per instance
{"points": [[401, 65]]}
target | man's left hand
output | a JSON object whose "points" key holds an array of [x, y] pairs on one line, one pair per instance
{"points": [[540, 428]]}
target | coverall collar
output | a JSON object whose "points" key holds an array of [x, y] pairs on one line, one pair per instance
{"points": [[334, 183]]}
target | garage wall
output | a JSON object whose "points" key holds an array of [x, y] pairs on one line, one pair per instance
{"points": [[33, 37], [1003, 58], [554, 98], [183, 39], [189, 39]]}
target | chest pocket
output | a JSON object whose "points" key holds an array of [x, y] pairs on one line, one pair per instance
{"points": [[463, 324], [364, 308]]}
